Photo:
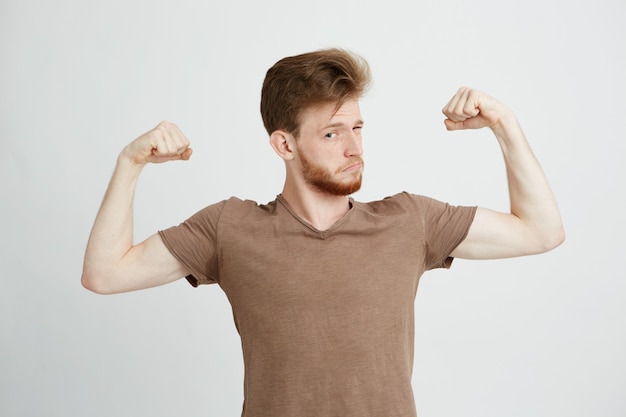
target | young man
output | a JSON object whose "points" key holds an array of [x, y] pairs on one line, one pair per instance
{"points": [[322, 287]]}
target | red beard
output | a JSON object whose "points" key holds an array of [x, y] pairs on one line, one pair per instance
{"points": [[322, 180]]}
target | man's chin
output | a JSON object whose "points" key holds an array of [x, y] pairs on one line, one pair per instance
{"points": [[339, 189], [356, 186]]}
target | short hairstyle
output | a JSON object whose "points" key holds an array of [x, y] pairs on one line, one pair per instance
{"points": [[298, 82]]}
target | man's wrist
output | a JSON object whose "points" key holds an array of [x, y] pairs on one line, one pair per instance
{"points": [[127, 162], [506, 125]]}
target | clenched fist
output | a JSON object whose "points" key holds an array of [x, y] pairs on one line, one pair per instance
{"points": [[471, 109], [164, 143]]}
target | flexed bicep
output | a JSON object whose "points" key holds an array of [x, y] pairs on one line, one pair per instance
{"points": [[496, 235]]}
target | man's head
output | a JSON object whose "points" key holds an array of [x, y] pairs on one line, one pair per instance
{"points": [[293, 84]]}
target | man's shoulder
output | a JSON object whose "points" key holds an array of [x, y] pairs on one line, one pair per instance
{"points": [[396, 203], [235, 207]]}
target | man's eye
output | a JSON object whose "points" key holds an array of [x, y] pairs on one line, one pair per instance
{"points": [[330, 135]]}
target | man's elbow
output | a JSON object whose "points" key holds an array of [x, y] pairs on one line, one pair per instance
{"points": [[552, 240], [95, 283]]}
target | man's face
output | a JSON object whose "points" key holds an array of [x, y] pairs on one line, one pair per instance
{"points": [[329, 148]]}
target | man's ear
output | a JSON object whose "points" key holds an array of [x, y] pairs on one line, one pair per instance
{"points": [[283, 144]]}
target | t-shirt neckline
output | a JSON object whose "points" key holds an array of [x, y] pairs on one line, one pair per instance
{"points": [[320, 233]]}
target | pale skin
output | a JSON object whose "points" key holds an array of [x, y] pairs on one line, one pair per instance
{"points": [[331, 139]]}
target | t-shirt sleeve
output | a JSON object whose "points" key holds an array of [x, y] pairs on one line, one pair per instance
{"points": [[445, 227], [195, 244]]}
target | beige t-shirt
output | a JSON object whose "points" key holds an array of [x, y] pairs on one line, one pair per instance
{"points": [[325, 317]]}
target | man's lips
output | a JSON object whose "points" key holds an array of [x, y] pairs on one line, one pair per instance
{"points": [[353, 166]]}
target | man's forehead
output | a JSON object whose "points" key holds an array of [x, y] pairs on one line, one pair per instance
{"points": [[332, 115]]}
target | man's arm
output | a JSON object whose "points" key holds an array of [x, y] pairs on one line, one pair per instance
{"points": [[534, 223], [112, 263]]}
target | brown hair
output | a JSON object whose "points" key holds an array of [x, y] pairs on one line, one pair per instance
{"points": [[299, 82]]}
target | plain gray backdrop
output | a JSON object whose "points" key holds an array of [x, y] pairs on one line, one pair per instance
{"points": [[537, 336]]}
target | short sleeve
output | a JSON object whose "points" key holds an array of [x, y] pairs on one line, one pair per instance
{"points": [[445, 227], [194, 243]]}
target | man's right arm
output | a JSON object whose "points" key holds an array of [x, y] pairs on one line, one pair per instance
{"points": [[113, 264]]}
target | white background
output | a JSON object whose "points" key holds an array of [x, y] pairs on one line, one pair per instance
{"points": [[537, 336]]}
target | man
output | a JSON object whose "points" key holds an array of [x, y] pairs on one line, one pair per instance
{"points": [[322, 287]]}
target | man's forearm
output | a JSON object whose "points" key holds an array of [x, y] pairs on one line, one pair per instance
{"points": [[112, 233], [531, 198]]}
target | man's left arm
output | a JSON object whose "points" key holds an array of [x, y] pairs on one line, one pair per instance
{"points": [[534, 224]]}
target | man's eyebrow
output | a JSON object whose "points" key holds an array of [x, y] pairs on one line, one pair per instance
{"points": [[339, 124]]}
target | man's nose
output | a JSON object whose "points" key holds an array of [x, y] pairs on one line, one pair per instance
{"points": [[355, 145]]}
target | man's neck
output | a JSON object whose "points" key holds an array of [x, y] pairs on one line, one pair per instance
{"points": [[321, 210]]}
